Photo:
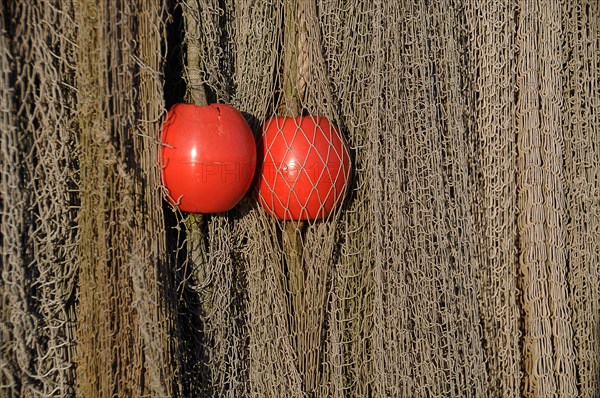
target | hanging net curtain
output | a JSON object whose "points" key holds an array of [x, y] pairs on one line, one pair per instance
{"points": [[464, 259]]}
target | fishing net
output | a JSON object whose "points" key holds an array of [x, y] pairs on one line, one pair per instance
{"points": [[82, 229], [40, 177], [463, 260]]}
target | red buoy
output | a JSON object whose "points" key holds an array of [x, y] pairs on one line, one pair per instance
{"points": [[208, 157], [305, 168]]}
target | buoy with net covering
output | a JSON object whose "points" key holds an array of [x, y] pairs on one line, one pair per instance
{"points": [[305, 168], [208, 157]]}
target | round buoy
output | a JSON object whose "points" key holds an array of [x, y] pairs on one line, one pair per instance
{"points": [[208, 157], [304, 168]]}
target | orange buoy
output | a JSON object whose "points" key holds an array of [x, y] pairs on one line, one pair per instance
{"points": [[208, 157], [304, 167]]}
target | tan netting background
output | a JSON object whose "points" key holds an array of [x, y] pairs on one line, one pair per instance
{"points": [[465, 260]]}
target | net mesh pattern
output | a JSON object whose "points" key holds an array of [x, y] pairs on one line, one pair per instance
{"points": [[123, 343], [304, 167], [82, 218], [40, 177], [464, 259]]}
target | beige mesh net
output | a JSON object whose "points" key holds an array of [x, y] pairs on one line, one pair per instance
{"points": [[463, 261], [39, 196]]}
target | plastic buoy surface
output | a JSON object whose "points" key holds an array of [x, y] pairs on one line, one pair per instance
{"points": [[208, 157], [304, 168]]}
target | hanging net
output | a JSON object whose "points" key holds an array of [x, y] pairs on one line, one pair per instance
{"points": [[445, 183]]}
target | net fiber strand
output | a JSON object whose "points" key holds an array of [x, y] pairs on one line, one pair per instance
{"points": [[39, 199], [581, 122], [123, 345], [493, 45]]}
